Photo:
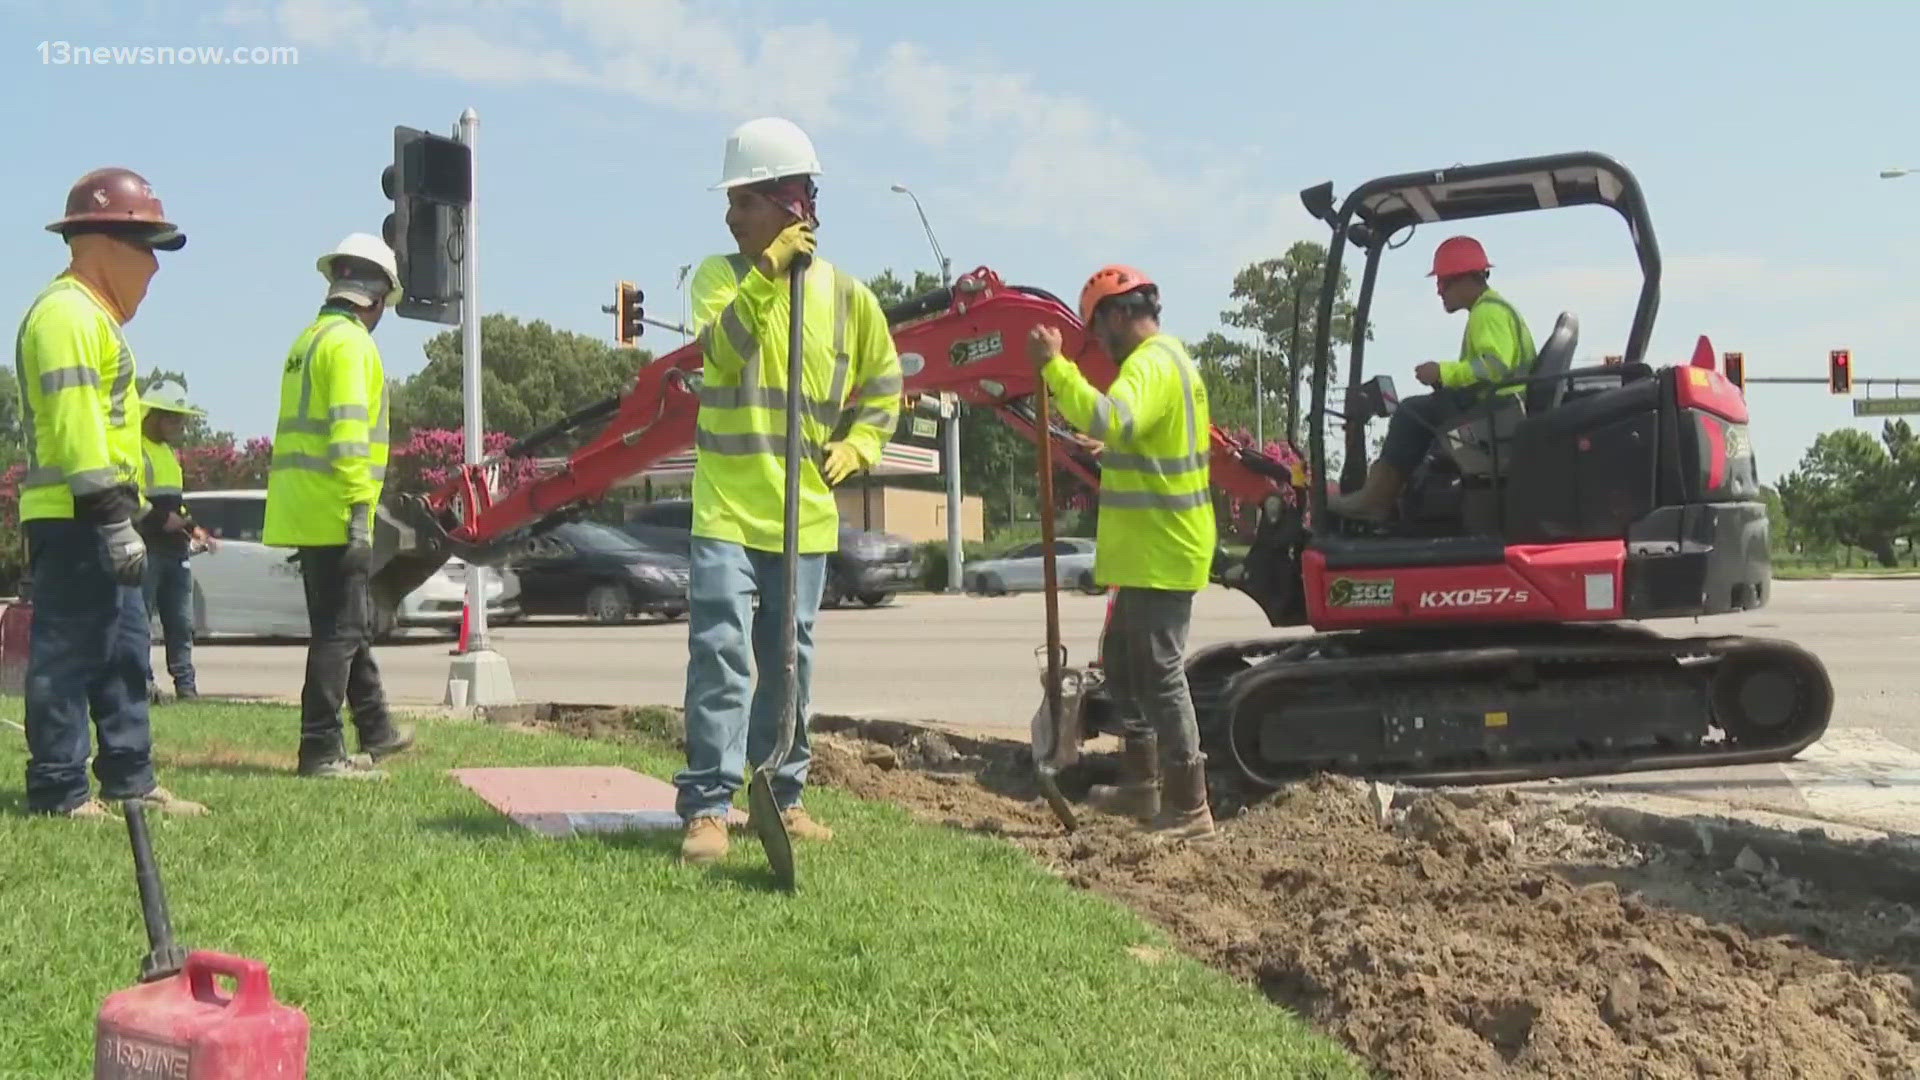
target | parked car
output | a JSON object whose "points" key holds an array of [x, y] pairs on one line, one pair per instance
{"points": [[249, 589], [869, 566], [1023, 569], [586, 569]]}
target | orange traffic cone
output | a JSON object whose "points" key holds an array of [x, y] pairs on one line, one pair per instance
{"points": [[466, 627]]}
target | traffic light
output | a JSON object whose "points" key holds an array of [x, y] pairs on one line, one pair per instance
{"points": [[1840, 371], [1736, 364], [627, 326], [430, 184]]}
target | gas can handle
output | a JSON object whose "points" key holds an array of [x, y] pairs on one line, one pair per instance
{"points": [[252, 988]]}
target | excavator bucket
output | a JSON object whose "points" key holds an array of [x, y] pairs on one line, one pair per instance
{"points": [[409, 546]]}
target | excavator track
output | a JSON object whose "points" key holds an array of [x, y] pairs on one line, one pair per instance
{"points": [[1504, 705]]}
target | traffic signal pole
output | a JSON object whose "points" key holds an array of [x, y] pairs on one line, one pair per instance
{"points": [[477, 675]]}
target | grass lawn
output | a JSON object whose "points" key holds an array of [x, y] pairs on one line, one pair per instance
{"points": [[425, 936]]}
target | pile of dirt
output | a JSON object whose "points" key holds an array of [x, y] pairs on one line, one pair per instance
{"points": [[1502, 938]]}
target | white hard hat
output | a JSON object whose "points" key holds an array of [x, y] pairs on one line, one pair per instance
{"points": [[166, 397], [766, 149], [371, 249]]}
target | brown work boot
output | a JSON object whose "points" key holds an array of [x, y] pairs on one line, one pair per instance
{"points": [[91, 810], [1186, 815], [168, 803], [706, 840], [1138, 794], [802, 826], [1374, 501]]}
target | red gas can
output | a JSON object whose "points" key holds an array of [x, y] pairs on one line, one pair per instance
{"points": [[183, 1028], [16, 638]]}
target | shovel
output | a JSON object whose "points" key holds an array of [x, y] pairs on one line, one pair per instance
{"points": [[1043, 768], [761, 809]]}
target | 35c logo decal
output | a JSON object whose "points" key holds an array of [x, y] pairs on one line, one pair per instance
{"points": [[1360, 592]]}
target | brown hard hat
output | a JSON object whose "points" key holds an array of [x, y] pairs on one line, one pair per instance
{"points": [[119, 201]]}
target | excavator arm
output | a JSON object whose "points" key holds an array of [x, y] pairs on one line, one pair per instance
{"points": [[968, 340]]}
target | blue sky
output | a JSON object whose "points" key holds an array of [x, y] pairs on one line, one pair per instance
{"points": [[1043, 140]]}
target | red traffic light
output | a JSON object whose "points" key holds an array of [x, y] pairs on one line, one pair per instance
{"points": [[628, 315], [1736, 365], [1840, 371]]}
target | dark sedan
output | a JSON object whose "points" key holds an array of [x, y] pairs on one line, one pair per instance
{"points": [[603, 574], [869, 566]]}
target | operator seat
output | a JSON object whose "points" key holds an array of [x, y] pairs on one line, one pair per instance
{"points": [[1555, 358]]}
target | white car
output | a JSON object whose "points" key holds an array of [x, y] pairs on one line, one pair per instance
{"points": [[1024, 569], [248, 589]]}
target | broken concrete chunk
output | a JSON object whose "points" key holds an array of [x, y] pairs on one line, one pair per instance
{"points": [[1381, 799], [1749, 861]]}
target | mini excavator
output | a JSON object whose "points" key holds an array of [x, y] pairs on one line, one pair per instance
{"points": [[1489, 632]]}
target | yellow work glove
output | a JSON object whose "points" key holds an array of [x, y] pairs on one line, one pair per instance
{"points": [[794, 239], [842, 461]]}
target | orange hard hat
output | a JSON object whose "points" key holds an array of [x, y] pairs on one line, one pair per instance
{"points": [[1459, 255], [1113, 280], [119, 197]]}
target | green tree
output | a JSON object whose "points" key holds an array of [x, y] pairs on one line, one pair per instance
{"points": [[1851, 489], [531, 374], [1278, 304]]}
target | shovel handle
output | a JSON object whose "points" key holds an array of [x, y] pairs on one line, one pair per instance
{"points": [[790, 552]]}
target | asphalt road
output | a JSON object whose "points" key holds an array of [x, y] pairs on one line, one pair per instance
{"points": [[971, 662]]}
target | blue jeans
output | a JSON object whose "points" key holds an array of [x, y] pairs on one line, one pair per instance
{"points": [[88, 659], [169, 593], [724, 736]]}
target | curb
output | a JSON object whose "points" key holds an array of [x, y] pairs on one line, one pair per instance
{"points": [[1882, 867], [1862, 861]]}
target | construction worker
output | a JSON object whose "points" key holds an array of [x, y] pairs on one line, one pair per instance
{"points": [[1496, 346], [169, 531], [89, 656], [1154, 543], [741, 304], [329, 462]]}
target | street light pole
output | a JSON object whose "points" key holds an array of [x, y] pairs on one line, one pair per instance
{"points": [[949, 417], [946, 279]]}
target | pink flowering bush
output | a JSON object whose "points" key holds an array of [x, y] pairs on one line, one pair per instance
{"points": [[221, 463], [433, 456]]}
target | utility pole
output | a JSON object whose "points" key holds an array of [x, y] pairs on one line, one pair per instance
{"points": [[949, 418], [478, 675]]}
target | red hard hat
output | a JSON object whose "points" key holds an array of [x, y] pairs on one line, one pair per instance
{"points": [[1459, 255], [119, 197], [1114, 280]]}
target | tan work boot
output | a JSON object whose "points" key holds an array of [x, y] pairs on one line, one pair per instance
{"points": [[1374, 501], [802, 826], [92, 810], [168, 803], [1138, 794], [354, 767], [1186, 815], [400, 739], [706, 840]]}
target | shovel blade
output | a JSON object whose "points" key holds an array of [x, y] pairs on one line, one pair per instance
{"points": [[771, 828]]}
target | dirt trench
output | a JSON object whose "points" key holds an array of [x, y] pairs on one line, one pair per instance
{"points": [[1507, 938]]}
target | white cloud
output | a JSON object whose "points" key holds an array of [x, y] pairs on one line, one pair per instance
{"points": [[1036, 160]]}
